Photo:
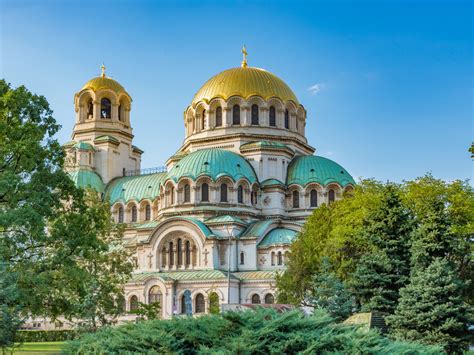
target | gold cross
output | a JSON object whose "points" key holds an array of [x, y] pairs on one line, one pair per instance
{"points": [[244, 53], [103, 70]]}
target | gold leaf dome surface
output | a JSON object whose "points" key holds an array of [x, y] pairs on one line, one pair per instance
{"points": [[245, 82], [104, 83]]}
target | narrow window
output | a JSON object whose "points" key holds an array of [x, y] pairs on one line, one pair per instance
{"points": [[280, 258], [296, 199], [200, 303], [90, 159], [171, 195], [120, 112], [171, 254], [287, 119], [273, 258], [163, 257], [134, 213], [188, 253], [90, 109], [155, 296], [187, 193], [183, 304], [203, 120], [120, 214], [218, 116], [242, 258], [240, 194], [272, 116], [313, 197], [105, 108], [269, 298], [332, 196], [205, 192], [133, 303], [147, 212], [180, 252], [254, 114], [236, 115], [224, 193], [256, 299], [254, 197]]}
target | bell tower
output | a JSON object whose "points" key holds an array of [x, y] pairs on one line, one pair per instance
{"points": [[102, 109]]}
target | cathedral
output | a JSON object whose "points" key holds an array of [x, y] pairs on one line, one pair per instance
{"points": [[214, 225]]}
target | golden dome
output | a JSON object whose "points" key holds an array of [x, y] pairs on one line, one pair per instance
{"points": [[103, 82], [245, 81]]}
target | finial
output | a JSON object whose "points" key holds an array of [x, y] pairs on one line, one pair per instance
{"points": [[244, 53], [103, 70]]}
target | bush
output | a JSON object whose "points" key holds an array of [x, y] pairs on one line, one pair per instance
{"points": [[263, 331], [28, 336]]}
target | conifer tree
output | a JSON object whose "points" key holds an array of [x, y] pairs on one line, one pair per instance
{"points": [[383, 271], [431, 309]]}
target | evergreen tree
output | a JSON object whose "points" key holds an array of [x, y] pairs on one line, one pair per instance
{"points": [[432, 310], [328, 292], [382, 272]]}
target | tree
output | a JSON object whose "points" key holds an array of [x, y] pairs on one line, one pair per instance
{"points": [[432, 310], [147, 311], [328, 292], [52, 235], [381, 273]]}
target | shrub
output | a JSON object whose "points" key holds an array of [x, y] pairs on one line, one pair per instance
{"points": [[23, 336], [263, 331]]}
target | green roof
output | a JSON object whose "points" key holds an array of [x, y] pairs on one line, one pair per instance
{"points": [[256, 229], [311, 168], [135, 187], [255, 275], [213, 163], [272, 182], [225, 219], [264, 145], [180, 275], [106, 139], [278, 236], [86, 178]]}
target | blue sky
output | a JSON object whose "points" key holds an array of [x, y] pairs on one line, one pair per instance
{"points": [[393, 79]]}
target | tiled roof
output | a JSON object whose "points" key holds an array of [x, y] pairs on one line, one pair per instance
{"points": [[135, 187], [255, 275], [272, 182], [225, 219], [181, 275], [256, 229]]}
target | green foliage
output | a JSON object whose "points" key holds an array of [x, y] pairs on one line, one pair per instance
{"points": [[263, 331], [328, 292], [432, 309], [214, 307], [30, 336], [148, 311], [54, 237]]}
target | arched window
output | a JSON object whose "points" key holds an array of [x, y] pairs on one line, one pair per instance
{"points": [[313, 198], [183, 304], [171, 195], [218, 116], [214, 303], [187, 253], [203, 120], [147, 212], [120, 214], [155, 296], [256, 299], [90, 109], [105, 108], [287, 119], [254, 197], [280, 258], [163, 257], [200, 305], [273, 258], [224, 193], [254, 114], [171, 254], [187, 193], [332, 196], [236, 115], [134, 213], [133, 303], [240, 194], [180, 252], [242, 258], [296, 199], [205, 192], [120, 112], [272, 116], [269, 298]]}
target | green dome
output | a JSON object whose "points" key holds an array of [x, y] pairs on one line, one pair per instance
{"points": [[305, 169], [135, 187], [85, 178], [278, 236], [214, 163]]}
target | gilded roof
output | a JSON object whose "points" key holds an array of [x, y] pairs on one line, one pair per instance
{"points": [[135, 187], [311, 168], [214, 163], [278, 236], [87, 179], [245, 82], [104, 83]]}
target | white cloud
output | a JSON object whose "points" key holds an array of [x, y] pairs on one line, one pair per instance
{"points": [[316, 88]]}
